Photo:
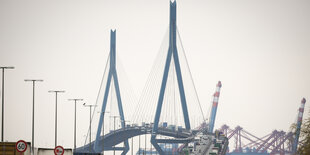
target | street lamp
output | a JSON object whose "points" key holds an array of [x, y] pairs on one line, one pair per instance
{"points": [[131, 145], [131, 137], [56, 92], [75, 100], [145, 142], [2, 124], [139, 143], [103, 112], [90, 106], [33, 86], [114, 132], [124, 122]]}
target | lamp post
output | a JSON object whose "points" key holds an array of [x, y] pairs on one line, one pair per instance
{"points": [[103, 130], [131, 137], [2, 124], [56, 93], [132, 146], [90, 106], [114, 132], [151, 149], [145, 141], [75, 100], [139, 143], [33, 92]]}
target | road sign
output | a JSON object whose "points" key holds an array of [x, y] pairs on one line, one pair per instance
{"points": [[59, 150], [21, 146]]}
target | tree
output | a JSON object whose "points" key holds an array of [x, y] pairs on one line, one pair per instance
{"points": [[304, 142], [304, 138]]}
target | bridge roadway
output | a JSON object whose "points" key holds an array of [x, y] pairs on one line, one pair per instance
{"points": [[120, 135]]}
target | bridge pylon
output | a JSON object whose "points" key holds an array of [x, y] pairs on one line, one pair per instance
{"points": [[172, 53], [111, 75]]}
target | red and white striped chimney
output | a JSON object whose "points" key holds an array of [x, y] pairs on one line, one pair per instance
{"points": [[217, 94], [301, 109]]}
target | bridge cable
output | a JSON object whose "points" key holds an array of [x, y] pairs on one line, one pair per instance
{"points": [[128, 93], [141, 99], [103, 75], [190, 75], [153, 78], [147, 89]]}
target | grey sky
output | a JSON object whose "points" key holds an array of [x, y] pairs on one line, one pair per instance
{"points": [[259, 49]]}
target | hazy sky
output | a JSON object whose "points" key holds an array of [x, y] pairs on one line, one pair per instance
{"points": [[259, 49]]}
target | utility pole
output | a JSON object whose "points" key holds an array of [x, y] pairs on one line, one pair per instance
{"points": [[2, 123], [75, 100], [90, 106], [56, 93], [33, 92]]}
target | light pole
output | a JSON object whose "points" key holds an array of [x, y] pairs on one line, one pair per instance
{"points": [[75, 100], [124, 124], [151, 149], [132, 146], [145, 141], [131, 137], [103, 130], [90, 106], [114, 132], [56, 92], [139, 144], [2, 124], [33, 88]]}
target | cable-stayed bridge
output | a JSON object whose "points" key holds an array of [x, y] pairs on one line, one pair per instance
{"points": [[166, 110]]}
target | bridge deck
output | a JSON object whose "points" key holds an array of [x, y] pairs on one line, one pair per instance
{"points": [[118, 136]]}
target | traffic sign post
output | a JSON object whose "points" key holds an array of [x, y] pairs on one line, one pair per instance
{"points": [[21, 146], [59, 150]]}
